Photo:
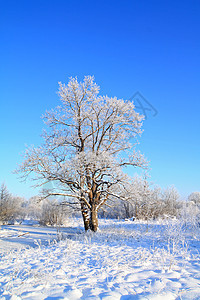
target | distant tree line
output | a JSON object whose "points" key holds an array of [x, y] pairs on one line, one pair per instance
{"points": [[11, 207], [16, 209], [143, 202]]}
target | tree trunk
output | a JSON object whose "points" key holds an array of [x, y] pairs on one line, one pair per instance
{"points": [[127, 208], [85, 215], [93, 220], [136, 210]]}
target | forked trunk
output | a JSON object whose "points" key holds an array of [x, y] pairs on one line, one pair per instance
{"points": [[93, 220]]}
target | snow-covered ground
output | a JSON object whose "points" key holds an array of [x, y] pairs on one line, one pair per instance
{"points": [[123, 260]]}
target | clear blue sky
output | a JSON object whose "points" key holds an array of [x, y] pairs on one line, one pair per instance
{"points": [[147, 46]]}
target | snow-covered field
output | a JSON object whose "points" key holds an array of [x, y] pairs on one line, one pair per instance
{"points": [[123, 260]]}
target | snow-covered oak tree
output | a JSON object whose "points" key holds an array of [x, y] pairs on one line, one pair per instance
{"points": [[88, 142]]}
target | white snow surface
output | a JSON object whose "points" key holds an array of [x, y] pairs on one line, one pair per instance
{"points": [[123, 260]]}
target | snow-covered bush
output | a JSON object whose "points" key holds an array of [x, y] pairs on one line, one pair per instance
{"points": [[195, 198], [34, 208], [190, 216], [52, 213]]}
